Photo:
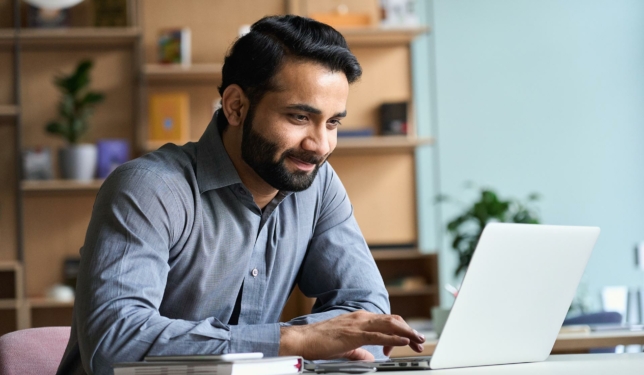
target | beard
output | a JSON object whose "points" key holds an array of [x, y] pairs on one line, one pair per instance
{"points": [[259, 153]]}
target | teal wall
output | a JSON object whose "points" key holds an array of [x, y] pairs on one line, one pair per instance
{"points": [[544, 96]]}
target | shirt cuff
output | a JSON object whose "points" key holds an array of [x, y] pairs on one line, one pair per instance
{"points": [[264, 338]]}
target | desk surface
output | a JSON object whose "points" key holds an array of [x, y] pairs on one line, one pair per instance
{"points": [[587, 364], [566, 342]]}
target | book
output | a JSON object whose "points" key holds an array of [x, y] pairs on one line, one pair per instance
{"points": [[174, 46], [393, 118], [111, 154], [169, 117], [265, 366], [229, 357], [368, 132]]}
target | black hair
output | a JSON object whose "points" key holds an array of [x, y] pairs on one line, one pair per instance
{"points": [[256, 57]]}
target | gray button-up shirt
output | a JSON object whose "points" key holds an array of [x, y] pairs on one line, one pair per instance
{"points": [[174, 236]]}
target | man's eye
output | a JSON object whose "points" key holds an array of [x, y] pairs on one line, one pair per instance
{"points": [[335, 123], [300, 118]]}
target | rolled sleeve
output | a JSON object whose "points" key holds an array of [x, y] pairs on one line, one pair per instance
{"points": [[263, 338]]}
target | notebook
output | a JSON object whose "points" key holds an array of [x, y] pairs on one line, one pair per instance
{"points": [[199, 365]]}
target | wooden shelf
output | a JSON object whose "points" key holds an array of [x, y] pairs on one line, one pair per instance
{"points": [[7, 37], [380, 144], [154, 145], [8, 110], [178, 72], [394, 254], [43, 302], [9, 304], [400, 292], [60, 185], [381, 36], [390, 143], [9, 265], [75, 36]]}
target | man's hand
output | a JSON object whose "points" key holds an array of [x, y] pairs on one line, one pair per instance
{"points": [[342, 336]]}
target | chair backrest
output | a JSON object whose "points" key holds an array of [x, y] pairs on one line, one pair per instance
{"points": [[34, 351]]}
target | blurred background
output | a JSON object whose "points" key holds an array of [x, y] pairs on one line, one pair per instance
{"points": [[542, 97]]}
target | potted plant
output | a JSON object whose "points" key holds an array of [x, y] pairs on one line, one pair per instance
{"points": [[77, 161], [466, 228]]}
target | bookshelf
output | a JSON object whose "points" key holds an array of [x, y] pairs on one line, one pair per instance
{"points": [[60, 185], [83, 37], [380, 144], [50, 217], [352, 145], [11, 300], [179, 73], [9, 111], [378, 37]]}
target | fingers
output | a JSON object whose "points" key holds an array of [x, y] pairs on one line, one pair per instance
{"points": [[358, 355], [418, 348], [394, 325], [377, 338]]}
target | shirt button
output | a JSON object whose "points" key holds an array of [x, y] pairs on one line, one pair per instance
{"points": [[254, 272]]}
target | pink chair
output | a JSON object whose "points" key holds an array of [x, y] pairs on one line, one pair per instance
{"points": [[35, 351]]}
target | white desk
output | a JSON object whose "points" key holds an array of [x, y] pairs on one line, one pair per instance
{"points": [[568, 364], [566, 342]]}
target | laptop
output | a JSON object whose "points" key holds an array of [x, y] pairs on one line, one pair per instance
{"points": [[513, 299]]}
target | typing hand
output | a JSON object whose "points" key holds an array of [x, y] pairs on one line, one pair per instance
{"points": [[342, 336]]}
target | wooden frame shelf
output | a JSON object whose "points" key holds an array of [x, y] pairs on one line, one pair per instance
{"points": [[396, 254], [411, 292], [44, 302], [380, 144], [47, 312], [381, 36], [7, 36], [126, 66], [9, 266], [9, 304], [182, 73], [351, 145], [59, 185], [8, 110], [74, 36]]}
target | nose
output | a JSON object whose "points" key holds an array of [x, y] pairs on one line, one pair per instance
{"points": [[317, 140]]}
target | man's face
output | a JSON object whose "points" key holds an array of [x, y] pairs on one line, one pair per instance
{"points": [[292, 131]]}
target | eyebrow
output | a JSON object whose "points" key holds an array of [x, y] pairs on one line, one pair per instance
{"points": [[307, 108]]}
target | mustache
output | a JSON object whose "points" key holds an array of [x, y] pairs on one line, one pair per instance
{"points": [[306, 157]]}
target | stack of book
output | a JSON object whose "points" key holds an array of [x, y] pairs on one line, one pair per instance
{"points": [[227, 364]]}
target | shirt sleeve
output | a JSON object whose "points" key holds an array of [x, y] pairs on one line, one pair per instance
{"points": [[339, 270], [137, 219]]}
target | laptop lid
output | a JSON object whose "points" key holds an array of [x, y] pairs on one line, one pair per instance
{"points": [[515, 295]]}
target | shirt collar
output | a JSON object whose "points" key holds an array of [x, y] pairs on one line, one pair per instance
{"points": [[214, 167]]}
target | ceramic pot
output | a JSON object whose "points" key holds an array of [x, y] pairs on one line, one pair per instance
{"points": [[78, 162]]}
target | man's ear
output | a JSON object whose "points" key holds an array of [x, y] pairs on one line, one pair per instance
{"points": [[234, 103]]}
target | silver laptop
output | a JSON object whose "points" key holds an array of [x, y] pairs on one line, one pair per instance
{"points": [[513, 299]]}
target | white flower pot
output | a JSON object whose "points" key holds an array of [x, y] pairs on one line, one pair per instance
{"points": [[78, 162]]}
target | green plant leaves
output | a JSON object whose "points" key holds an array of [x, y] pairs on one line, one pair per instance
{"points": [[92, 98], [466, 228], [76, 103], [56, 128]]}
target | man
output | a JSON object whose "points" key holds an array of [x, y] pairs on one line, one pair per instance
{"points": [[195, 249]]}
